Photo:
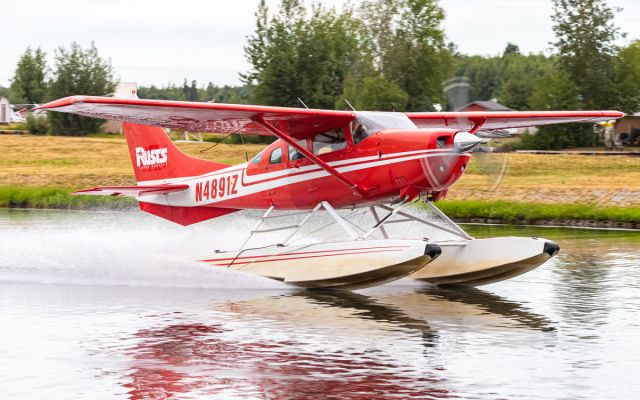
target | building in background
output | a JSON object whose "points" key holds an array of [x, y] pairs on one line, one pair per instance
{"points": [[488, 105], [5, 111], [123, 90], [628, 130]]}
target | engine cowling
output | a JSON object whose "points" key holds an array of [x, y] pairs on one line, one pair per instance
{"points": [[441, 157]]}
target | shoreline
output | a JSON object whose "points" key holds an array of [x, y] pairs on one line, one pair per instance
{"points": [[461, 211], [568, 223]]}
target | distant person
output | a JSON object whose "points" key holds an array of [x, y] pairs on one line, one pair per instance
{"points": [[611, 139]]}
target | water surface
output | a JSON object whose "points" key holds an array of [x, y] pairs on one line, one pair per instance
{"points": [[105, 305]]}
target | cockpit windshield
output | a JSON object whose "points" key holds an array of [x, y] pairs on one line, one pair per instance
{"points": [[374, 121], [369, 122]]}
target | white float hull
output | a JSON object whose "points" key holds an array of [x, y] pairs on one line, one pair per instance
{"points": [[338, 265], [482, 261]]}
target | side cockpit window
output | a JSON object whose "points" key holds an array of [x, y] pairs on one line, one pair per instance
{"points": [[359, 132], [327, 142]]}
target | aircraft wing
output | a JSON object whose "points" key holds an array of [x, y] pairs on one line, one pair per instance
{"points": [[490, 120], [134, 191], [296, 122], [204, 117]]}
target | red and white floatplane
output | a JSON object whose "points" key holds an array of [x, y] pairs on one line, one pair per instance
{"points": [[325, 162]]}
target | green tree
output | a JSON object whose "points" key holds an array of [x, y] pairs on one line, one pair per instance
{"points": [[518, 77], [168, 92], [511, 49], [272, 51], [584, 75], [406, 41], [29, 81], [211, 92], [190, 92], [295, 55], [379, 19], [556, 91], [5, 92], [354, 82], [484, 74], [382, 95], [585, 43], [628, 77], [79, 71], [220, 94]]}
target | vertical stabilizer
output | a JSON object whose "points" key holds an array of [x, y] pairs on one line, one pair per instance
{"points": [[156, 158]]}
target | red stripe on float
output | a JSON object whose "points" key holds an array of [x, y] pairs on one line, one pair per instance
{"points": [[304, 252], [304, 257]]}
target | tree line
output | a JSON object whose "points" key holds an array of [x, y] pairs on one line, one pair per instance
{"points": [[393, 55], [83, 71], [383, 55], [75, 71]]}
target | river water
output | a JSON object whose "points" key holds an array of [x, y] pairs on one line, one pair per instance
{"points": [[104, 306]]}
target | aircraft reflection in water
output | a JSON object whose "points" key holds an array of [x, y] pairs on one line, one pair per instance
{"points": [[340, 344]]}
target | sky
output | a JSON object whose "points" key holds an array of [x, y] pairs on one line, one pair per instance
{"points": [[163, 41]]}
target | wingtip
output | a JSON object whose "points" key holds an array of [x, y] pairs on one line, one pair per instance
{"points": [[613, 114], [65, 101]]}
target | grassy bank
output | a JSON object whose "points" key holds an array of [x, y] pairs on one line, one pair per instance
{"points": [[39, 197], [518, 213]]}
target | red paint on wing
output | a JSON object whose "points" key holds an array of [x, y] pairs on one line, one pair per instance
{"points": [[204, 117]]}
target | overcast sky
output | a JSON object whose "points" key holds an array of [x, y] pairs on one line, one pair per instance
{"points": [[161, 41]]}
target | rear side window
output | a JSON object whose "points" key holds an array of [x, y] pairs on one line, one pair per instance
{"points": [[329, 141], [276, 156], [256, 158]]}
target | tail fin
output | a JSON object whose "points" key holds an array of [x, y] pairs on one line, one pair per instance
{"points": [[156, 158]]}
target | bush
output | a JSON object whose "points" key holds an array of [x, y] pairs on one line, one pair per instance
{"points": [[236, 139], [558, 138], [58, 198], [37, 125]]}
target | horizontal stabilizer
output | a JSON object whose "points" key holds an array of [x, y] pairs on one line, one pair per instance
{"points": [[134, 191]]}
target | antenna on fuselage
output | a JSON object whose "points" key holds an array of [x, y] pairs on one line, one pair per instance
{"points": [[349, 104], [300, 100]]}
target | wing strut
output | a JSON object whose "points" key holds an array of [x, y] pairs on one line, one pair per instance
{"points": [[259, 119], [477, 124]]}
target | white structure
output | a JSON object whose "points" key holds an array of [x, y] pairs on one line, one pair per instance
{"points": [[5, 111], [123, 90]]}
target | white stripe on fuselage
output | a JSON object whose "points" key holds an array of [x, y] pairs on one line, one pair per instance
{"points": [[287, 177], [296, 170]]}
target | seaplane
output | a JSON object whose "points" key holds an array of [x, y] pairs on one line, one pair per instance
{"points": [[391, 166]]}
